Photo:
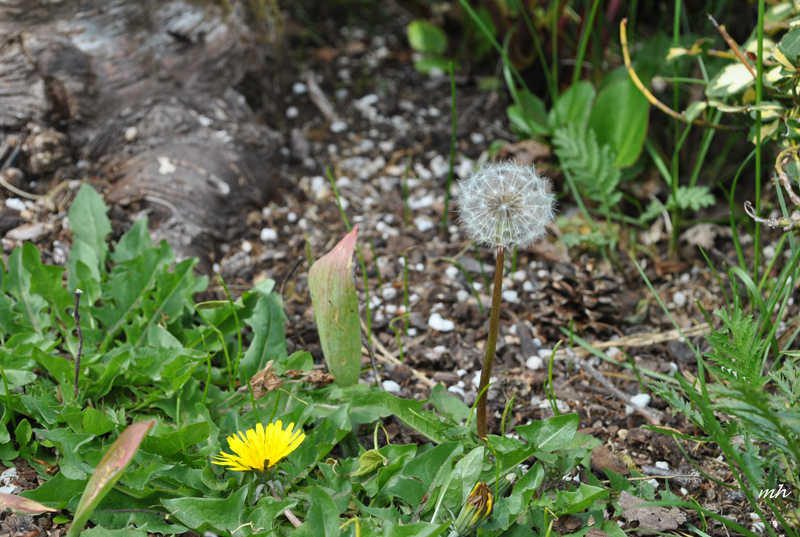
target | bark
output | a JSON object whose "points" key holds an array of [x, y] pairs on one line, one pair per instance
{"points": [[144, 94]]}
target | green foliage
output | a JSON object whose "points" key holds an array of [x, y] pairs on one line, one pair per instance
{"points": [[431, 42], [151, 352], [591, 166]]}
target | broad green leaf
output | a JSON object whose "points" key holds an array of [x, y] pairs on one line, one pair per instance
{"points": [[98, 531], [222, 514], [108, 472], [96, 422], [269, 337], [369, 405], [575, 501], [553, 434], [90, 227], [427, 64], [133, 243], [790, 45], [448, 404], [573, 106], [57, 491], [528, 115], [418, 529], [335, 302], [619, 118], [413, 481], [323, 516], [426, 37]]}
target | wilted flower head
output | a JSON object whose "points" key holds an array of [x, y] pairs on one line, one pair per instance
{"points": [[476, 509], [260, 448], [505, 204]]}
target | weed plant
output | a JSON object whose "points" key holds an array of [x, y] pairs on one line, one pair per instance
{"points": [[193, 373]]}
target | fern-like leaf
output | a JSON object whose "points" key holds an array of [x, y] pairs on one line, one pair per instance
{"points": [[590, 165], [691, 197]]}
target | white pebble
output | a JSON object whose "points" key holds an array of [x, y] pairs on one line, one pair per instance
{"points": [[527, 286], [544, 353], [423, 224], [15, 204], [662, 465], [268, 234], [476, 138], [534, 362], [437, 322], [298, 88], [388, 293], [391, 386], [640, 400], [679, 299], [247, 247], [462, 295], [456, 390], [292, 112], [131, 133], [510, 295], [338, 126], [420, 203], [451, 272]]}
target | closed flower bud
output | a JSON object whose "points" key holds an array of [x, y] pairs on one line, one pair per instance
{"points": [[476, 509], [505, 204]]}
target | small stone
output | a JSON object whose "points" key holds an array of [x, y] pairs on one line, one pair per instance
{"points": [[338, 126], [662, 465], [527, 286], [130, 134], [679, 299], [451, 272], [509, 295], [27, 232], [420, 203], [388, 293], [544, 353], [268, 234], [391, 386], [476, 138], [534, 363], [462, 296], [292, 112], [247, 247], [298, 88], [437, 322], [457, 390], [423, 224], [640, 400], [15, 204]]}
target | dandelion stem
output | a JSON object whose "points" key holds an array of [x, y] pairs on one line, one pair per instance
{"points": [[491, 342]]}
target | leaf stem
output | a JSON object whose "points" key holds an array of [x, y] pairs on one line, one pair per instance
{"points": [[491, 342]]}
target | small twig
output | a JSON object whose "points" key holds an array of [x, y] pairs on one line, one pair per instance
{"points": [[387, 357], [640, 340], [77, 316], [652, 99], [5, 184], [732, 44], [320, 100], [650, 416], [291, 517], [365, 341]]}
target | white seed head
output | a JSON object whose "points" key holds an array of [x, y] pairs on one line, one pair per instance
{"points": [[505, 204]]}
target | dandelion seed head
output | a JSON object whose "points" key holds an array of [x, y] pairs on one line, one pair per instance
{"points": [[505, 204]]}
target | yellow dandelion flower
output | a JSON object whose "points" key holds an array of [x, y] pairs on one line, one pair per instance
{"points": [[260, 448]]}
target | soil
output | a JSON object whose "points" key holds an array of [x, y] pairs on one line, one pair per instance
{"points": [[347, 101]]}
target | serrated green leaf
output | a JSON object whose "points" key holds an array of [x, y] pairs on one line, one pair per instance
{"points": [[591, 166], [552, 434], [790, 45], [691, 198]]}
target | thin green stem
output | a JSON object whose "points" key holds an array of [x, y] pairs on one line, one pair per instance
{"points": [[587, 30], [759, 96], [491, 343]]}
